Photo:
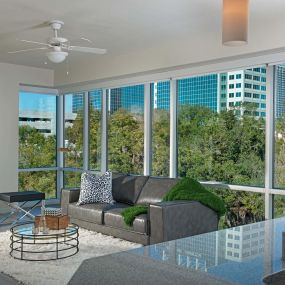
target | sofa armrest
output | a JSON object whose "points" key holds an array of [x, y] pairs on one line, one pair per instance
{"points": [[68, 195], [178, 219]]}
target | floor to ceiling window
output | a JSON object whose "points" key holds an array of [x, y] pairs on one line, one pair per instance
{"points": [[95, 113], [160, 97], [221, 132], [37, 142], [279, 114], [221, 121], [221, 136], [125, 129], [73, 131], [279, 139]]}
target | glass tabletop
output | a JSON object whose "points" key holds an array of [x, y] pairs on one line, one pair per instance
{"points": [[243, 255], [27, 230]]}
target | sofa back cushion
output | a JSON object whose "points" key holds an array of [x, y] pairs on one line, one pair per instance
{"points": [[126, 188], [155, 189]]}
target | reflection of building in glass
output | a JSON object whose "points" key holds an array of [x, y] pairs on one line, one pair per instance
{"points": [[77, 102], [94, 101], [130, 98], [206, 252], [244, 242], [194, 91], [244, 91], [280, 91], [198, 91], [199, 252], [161, 95]]}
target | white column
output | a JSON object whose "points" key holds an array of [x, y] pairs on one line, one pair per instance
{"points": [[86, 131], [104, 131], [60, 142], [269, 141], [173, 130], [147, 129]]}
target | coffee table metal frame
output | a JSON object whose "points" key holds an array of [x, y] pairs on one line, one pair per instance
{"points": [[65, 242], [18, 207]]}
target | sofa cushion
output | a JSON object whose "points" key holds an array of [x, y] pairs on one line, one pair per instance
{"points": [[126, 189], [114, 218], [155, 189], [93, 213], [96, 188]]}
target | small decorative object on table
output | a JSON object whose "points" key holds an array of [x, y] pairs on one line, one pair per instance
{"points": [[43, 224], [53, 211], [54, 219]]}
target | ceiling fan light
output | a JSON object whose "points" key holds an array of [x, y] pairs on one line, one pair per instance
{"points": [[56, 56], [235, 22]]}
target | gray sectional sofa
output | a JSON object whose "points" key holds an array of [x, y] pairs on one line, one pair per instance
{"points": [[164, 221]]}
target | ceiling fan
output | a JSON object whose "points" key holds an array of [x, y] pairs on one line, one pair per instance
{"points": [[59, 47]]}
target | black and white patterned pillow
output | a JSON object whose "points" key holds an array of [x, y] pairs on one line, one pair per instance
{"points": [[96, 189]]}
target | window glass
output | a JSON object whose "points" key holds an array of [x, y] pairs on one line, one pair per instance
{"points": [[42, 181], [73, 133], [225, 145], [37, 130], [239, 207], [95, 105], [279, 101], [160, 92], [71, 179], [279, 206], [126, 129]]}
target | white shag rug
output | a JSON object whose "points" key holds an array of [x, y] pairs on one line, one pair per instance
{"points": [[59, 272]]}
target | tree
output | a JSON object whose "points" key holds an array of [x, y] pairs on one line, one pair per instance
{"points": [[125, 143]]}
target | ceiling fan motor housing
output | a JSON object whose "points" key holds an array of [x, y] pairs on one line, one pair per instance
{"points": [[56, 24]]}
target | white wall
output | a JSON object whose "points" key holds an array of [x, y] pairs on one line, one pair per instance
{"points": [[10, 78]]}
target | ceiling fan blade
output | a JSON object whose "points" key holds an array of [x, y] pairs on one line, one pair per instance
{"points": [[33, 42], [24, 50], [87, 40], [88, 49]]}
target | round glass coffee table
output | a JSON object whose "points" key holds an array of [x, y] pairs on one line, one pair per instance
{"points": [[56, 244]]}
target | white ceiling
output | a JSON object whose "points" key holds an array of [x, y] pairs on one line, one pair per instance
{"points": [[127, 26]]}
